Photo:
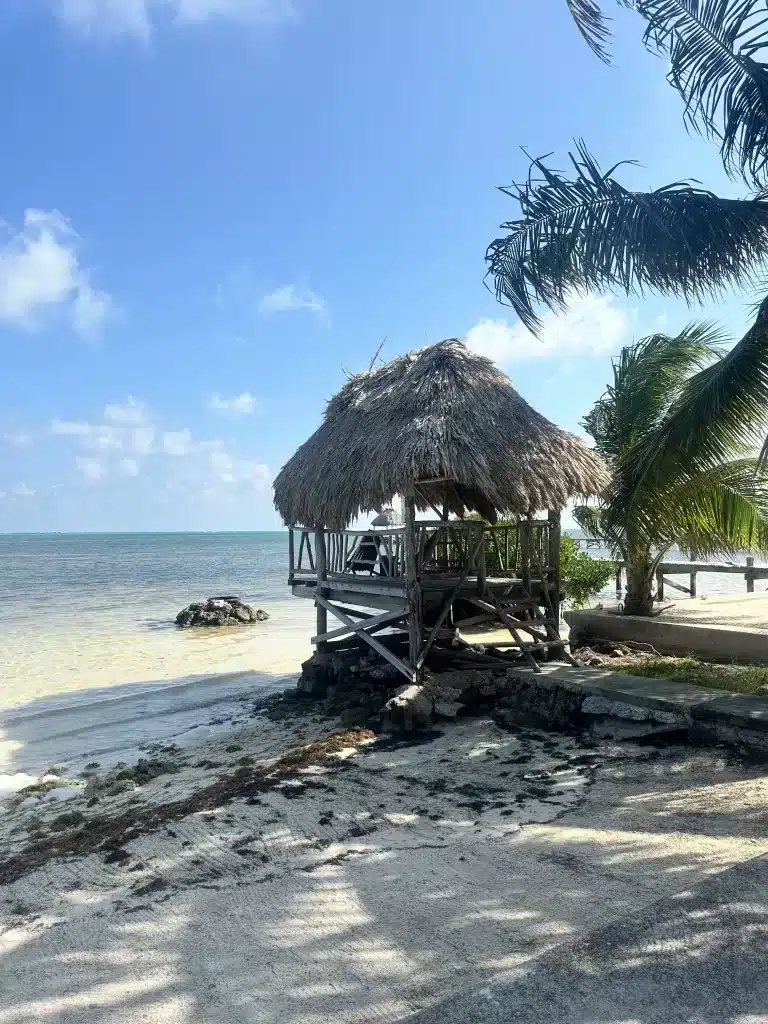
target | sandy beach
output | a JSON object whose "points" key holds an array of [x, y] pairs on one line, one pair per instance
{"points": [[258, 879]]}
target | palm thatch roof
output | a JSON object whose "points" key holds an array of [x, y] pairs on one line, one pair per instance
{"points": [[441, 420]]}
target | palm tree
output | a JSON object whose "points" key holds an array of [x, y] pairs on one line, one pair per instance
{"points": [[584, 230], [715, 501]]}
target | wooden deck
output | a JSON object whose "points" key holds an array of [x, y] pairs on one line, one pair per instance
{"points": [[430, 579]]}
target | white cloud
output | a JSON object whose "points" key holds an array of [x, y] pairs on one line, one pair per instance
{"points": [[90, 309], [92, 469], [142, 440], [229, 470], [17, 438], [253, 11], [138, 18], [129, 467], [103, 436], [591, 326], [292, 297], [40, 270], [22, 491], [177, 442], [239, 404], [132, 411], [119, 432], [68, 428]]}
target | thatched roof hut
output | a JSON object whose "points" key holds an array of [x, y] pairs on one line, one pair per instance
{"points": [[443, 424]]}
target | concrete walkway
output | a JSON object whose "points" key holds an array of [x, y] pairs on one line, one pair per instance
{"points": [[698, 957]]}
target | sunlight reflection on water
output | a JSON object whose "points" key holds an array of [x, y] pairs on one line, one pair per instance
{"points": [[84, 611]]}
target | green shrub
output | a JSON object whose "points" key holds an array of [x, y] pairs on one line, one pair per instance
{"points": [[581, 575]]}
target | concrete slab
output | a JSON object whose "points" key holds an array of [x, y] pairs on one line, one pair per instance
{"points": [[739, 720], [697, 957], [663, 694], [746, 710]]}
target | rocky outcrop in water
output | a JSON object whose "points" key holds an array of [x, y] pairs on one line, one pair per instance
{"points": [[220, 611]]}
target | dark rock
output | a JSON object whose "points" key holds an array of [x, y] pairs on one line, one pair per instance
{"points": [[353, 717], [220, 611]]}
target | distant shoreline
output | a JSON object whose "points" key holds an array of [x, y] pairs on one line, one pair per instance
{"points": [[140, 533]]}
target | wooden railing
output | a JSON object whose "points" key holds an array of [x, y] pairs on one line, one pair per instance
{"points": [[446, 548], [691, 569]]}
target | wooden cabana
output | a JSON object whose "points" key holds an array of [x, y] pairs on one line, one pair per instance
{"points": [[445, 430]]}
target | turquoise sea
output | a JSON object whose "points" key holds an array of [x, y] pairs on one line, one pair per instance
{"points": [[89, 611]]}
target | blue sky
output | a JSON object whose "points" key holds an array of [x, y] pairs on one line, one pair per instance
{"points": [[210, 209]]}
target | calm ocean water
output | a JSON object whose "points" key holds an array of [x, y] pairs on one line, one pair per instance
{"points": [[81, 612]]}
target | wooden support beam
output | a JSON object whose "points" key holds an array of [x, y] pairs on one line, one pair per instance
{"points": [[478, 557], [291, 555], [370, 640], [475, 620], [675, 586], [354, 611], [512, 623], [372, 624], [447, 607], [322, 616], [413, 591], [749, 576], [499, 611], [553, 519]]}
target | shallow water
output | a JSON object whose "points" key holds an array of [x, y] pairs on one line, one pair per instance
{"points": [[86, 614]]}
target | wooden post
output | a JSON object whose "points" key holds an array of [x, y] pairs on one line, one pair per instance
{"points": [[291, 555], [554, 562], [322, 614], [749, 577], [480, 559], [692, 577], [524, 525], [619, 584], [659, 585], [413, 591]]}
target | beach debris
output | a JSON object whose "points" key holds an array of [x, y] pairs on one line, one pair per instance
{"points": [[220, 611]]}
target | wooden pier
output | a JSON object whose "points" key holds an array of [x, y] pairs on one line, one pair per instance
{"points": [[691, 569]]}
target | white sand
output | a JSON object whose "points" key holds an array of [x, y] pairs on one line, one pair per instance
{"points": [[745, 611], [398, 877]]}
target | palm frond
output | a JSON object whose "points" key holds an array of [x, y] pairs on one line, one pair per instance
{"points": [[719, 412], [592, 520], [647, 378], [590, 233], [721, 511], [593, 26], [713, 48]]}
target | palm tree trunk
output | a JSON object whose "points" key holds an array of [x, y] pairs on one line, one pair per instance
{"points": [[639, 597]]}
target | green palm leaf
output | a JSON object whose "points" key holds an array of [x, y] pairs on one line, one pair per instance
{"points": [[591, 233], [592, 521], [724, 510], [647, 377], [716, 414], [713, 48], [592, 24]]}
